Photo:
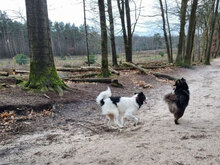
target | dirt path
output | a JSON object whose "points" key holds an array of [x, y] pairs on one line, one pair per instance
{"points": [[156, 140]]}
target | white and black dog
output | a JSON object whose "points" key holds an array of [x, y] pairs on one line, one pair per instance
{"points": [[116, 108]]}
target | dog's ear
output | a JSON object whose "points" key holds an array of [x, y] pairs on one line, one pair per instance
{"points": [[182, 79]]}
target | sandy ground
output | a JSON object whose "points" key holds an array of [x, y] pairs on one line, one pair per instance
{"points": [[156, 140]]}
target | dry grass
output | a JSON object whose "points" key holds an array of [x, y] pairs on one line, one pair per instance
{"points": [[76, 61]]}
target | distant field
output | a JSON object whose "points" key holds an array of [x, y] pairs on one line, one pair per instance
{"points": [[76, 61]]}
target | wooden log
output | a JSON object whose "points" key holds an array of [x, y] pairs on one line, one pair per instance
{"points": [[2, 73], [82, 69], [98, 80], [113, 71], [21, 72], [145, 71], [155, 67], [112, 82], [80, 76]]}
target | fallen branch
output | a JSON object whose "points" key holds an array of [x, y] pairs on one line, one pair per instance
{"points": [[4, 73], [145, 71]]}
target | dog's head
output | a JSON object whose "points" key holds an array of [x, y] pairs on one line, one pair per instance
{"points": [[181, 84], [141, 98]]}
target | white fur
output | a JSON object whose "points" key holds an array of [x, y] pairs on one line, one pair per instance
{"points": [[103, 95], [126, 108]]}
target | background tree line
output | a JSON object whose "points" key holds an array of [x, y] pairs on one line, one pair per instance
{"points": [[68, 39]]}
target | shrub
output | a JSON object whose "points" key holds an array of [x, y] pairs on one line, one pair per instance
{"points": [[92, 59], [117, 55], [21, 59], [161, 53]]}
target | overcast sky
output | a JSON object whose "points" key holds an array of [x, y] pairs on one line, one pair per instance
{"points": [[71, 11]]}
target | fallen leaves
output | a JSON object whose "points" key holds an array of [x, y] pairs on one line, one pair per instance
{"points": [[9, 118]]}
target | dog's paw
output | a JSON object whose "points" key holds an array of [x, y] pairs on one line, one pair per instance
{"points": [[176, 122], [136, 123]]}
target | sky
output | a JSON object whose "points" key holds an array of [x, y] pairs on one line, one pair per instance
{"points": [[71, 11]]}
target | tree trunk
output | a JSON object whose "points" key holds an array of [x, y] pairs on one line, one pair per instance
{"points": [[127, 35], [170, 36], [181, 43], [129, 41], [121, 8], [86, 33], [212, 28], [191, 33], [112, 35], [43, 75], [104, 39], [165, 32]]}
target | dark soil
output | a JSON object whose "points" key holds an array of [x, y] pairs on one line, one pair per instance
{"points": [[70, 111]]}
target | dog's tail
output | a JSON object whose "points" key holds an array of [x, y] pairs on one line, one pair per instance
{"points": [[170, 98], [103, 95]]}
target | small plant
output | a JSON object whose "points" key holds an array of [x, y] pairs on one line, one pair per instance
{"points": [[63, 57], [161, 53], [21, 59], [92, 59], [117, 55]]}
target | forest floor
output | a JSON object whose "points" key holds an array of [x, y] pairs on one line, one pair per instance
{"points": [[76, 132]]}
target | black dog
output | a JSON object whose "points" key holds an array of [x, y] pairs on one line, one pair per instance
{"points": [[178, 101]]}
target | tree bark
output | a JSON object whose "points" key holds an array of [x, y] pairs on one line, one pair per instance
{"points": [[181, 43], [43, 75], [112, 35], [104, 39], [165, 32], [129, 41], [212, 28], [191, 33], [170, 36], [86, 32]]}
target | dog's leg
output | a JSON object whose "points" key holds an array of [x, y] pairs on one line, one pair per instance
{"points": [[123, 121], [109, 122], [116, 119], [132, 117]]}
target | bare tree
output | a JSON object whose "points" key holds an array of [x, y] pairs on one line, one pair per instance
{"points": [[43, 75], [181, 43], [112, 35], [212, 28], [191, 33], [125, 13], [104, 39], [165, 32]]}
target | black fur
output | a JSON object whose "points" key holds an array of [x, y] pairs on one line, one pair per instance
{"points": [[140, 99], [102, 102], [180, 98], [115, 100]]}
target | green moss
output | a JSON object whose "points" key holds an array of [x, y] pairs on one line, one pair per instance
{"points": [[44, 78]]}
